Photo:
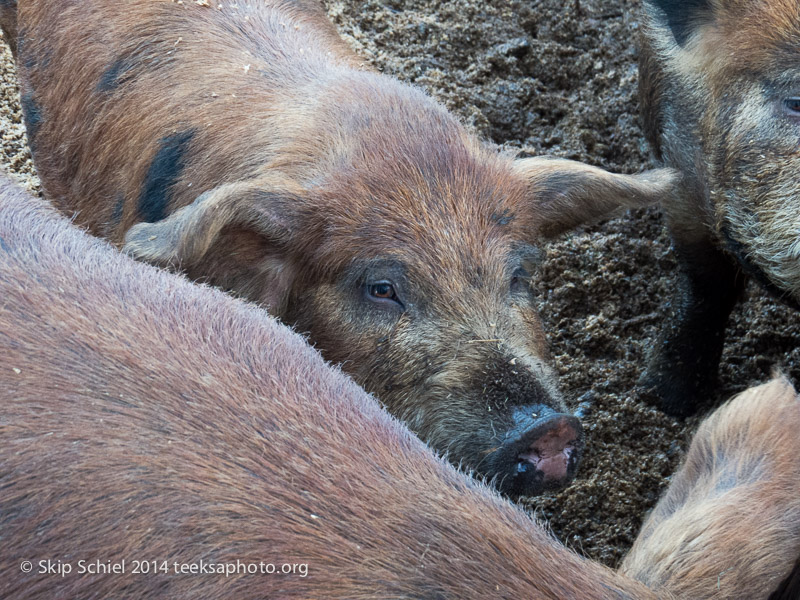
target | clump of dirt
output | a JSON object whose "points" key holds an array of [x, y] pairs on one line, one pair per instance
{"points": [[558, 77], [15, 157]]}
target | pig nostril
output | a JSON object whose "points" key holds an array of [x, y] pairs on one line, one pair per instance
{"points": [[545, 454], [554, 463], [535, 455]]}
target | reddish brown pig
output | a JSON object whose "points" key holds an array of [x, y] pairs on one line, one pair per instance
{"points": [[244, 144], [144, 418], [736, 500], [147, 419], [720, 90]]}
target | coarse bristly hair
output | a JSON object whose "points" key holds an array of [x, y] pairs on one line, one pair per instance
{"points": [[729, 524], [246, 145], [719, 86], [148, 418]]}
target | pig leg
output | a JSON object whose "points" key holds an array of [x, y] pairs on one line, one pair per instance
{"points": [[682, 367]]}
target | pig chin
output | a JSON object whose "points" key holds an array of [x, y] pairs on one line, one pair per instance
{"points": [[767, 249]]}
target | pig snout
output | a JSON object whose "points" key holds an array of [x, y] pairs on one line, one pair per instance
{"points": [[540, 452], [552, 451]]}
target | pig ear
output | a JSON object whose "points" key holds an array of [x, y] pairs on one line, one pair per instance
{"points": [[566, 194], [234, 236]]}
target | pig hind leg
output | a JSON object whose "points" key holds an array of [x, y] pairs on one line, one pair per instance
{"points": [[682, 367]]}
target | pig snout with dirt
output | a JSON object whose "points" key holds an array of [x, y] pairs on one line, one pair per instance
{"points": [[246, 145], [720, 93], [148, 420]]}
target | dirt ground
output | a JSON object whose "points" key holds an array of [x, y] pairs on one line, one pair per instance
{"points": [[557, 77]]}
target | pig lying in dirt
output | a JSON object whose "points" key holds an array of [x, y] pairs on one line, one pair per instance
{"points": [[246, 145], [148, 419], [720, 91]]}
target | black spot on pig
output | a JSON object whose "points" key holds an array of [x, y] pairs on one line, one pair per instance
{"points": [[503, 218], [32, 115], [115, 75], [163, 173]]}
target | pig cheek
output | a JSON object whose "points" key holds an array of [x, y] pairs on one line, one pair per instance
{"points": [[758, 175], [400, 365], [754, 133], [382, 356], [534, 332], [760, 161], [316, 310], [345, 332], [421, 375]]}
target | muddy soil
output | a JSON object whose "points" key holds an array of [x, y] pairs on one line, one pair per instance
{"points": [[557, 77]]}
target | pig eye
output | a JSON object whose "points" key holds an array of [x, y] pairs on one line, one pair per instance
{"points": [[382, 291], [792, 105], [520, 281]]}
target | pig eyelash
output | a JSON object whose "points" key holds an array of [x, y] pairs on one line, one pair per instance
{"points": [[383, 292], [520, 278]]}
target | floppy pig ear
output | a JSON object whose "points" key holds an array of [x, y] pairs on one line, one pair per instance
{"points": [[233, 236], [566, 194], [186, 235]]}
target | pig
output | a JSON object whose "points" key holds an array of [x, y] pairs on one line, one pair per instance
{"points": [[742, 467], [720, 100], [148, 419], [247, 146], [145, 418]]}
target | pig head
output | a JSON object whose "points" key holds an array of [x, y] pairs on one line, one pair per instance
{"points": [[720, 91]]}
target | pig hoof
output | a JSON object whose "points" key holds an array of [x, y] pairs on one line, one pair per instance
{"points": [[676, 393]]}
